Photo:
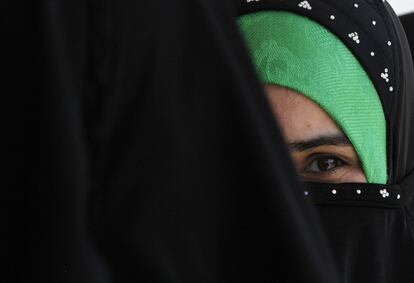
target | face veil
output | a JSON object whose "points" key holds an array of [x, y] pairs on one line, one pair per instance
{"points": [[370, 226]]}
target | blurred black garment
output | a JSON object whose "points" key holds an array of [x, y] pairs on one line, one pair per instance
{"points": [[370, 227], [408, 23], [13, 59], [152, 155]]}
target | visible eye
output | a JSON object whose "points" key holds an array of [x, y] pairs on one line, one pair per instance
{"points": [[324, 164]]}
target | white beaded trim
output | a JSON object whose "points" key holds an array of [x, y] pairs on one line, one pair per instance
{"points": [[354, 36], [384, 193], [385, 75], [305, 5]]}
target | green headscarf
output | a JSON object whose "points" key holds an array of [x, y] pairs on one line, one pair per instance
{"points": [[295, 52]]}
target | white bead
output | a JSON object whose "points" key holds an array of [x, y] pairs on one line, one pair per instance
{"points": [[332, 17], [334, 192], [391, 89], [398, 196], [389, 43], [356, 5], [372, 54], [358, 192], [374, 23], [306, 193]]}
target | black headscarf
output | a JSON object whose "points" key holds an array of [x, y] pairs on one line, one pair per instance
{"points": [[153, 155], [408, 23], [370, 227]]}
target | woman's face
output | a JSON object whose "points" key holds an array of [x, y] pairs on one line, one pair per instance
{"points": [[320, 150]]}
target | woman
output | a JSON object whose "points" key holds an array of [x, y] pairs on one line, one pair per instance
{"points": [[339, 77]]}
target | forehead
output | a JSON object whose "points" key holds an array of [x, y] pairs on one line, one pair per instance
{"points": [[299, 117]]}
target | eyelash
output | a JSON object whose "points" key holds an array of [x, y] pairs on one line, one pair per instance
{"points": [[315, 158]]}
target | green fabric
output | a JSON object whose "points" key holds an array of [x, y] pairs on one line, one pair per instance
{"points": [[295, 52]]}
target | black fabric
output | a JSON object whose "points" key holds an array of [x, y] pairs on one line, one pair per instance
{"points": [[153, 156], [408, 23], [13, 216], [370, 227], [355, 194]]}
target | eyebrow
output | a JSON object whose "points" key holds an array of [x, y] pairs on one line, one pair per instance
{"points": [[339, 140]]}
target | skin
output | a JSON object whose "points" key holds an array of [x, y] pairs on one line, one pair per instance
{"points": [[320, 150]]}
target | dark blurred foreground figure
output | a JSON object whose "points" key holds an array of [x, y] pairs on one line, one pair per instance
{"points": [[370, 225], [153, 155]]}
